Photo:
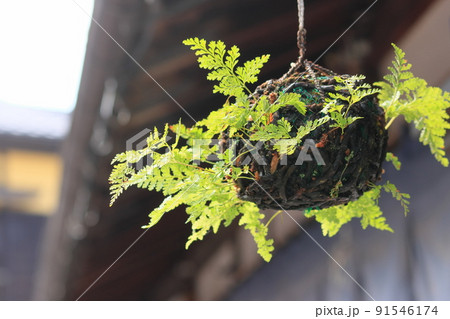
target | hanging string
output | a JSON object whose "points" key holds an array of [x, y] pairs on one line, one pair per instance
{"points": [[301, 44], [301, 33]]}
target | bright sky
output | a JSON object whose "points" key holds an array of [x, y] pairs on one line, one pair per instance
{"points": [[42, 46]]}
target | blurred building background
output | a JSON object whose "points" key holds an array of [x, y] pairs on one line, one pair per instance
{"points": [[117, 100], [30, 182]]}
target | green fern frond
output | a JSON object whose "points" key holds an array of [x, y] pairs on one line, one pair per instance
{"points": [[280, 130], [394, 160], [310, 126], [366, 208], [251, 220], [401, 197], [351, 89], [341, 121], [214, 56], [284, 143], [289, 99], [427, 107]]}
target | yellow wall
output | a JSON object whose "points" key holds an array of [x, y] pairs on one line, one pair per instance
{"points": [[37, 173]]}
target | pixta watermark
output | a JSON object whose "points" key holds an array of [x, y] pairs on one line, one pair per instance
{"points": [[248, 151], [139, 142], [239, 151]]}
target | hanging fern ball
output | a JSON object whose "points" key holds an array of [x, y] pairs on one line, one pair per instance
{"points": [[335, 148], [311, 140]]}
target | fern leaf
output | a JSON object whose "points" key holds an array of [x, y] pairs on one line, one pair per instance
{"points": [[366, 208], [289, 99], [426, 107], [280, 130], [401, 197], [251, 220], [394, 160], [310, 126], [222, 62], [248, 73]]}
